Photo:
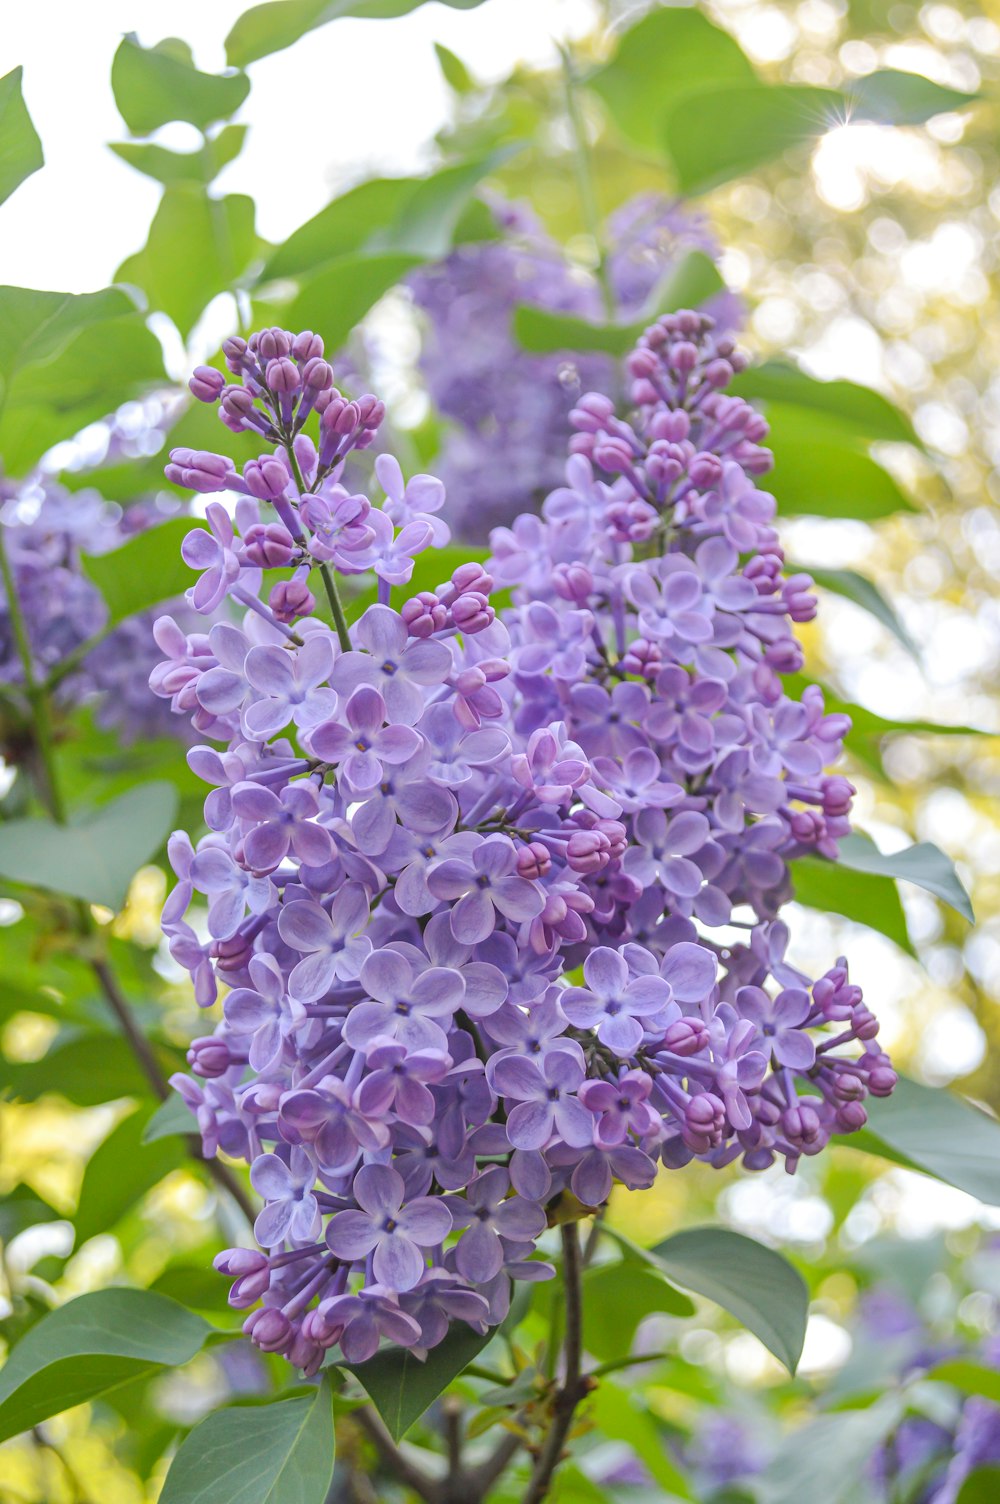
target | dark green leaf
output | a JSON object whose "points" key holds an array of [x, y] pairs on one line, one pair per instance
{"points": [[120, 1172], [401, 1387], [827, 1459], [870, 415], [693, 282], [616, 1297], [96, 858], [22, 1207], [453, 70], [90, 1345], [755, 1284], [157, 84], [20, 148], [340, 295], [861, 896], [671, 52], [822, 469], [170, 167], [144, 571], [272, 27], [87, 1069], [940, 1133], [924, 864], [855, 587], [982, 1486], [197, 1286], [896, 98], [172, 1117], [198, 246], [740, 128], [282, 1453]]}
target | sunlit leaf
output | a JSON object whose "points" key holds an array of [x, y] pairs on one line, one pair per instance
{"points": [[670, 52], [23, 1207], [198, 246], [276, 25], [827, 1458], [338, 297], [154, 85], [740, 128], [169, 167], [36, 325], [619, 1418], [822, 469], [970, 1378], [20, 148], [454, 72], [939, 1132], [893, 97], [281, 1453], [982, 1486], [90, 1345], [870, 415], [87, 1069], [95, 858], [144, 571], [616, 1297], [865, 897]]}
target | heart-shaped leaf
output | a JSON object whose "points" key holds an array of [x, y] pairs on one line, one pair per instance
{"points": [[89, 1346], [96, 858], [740, 128], [154, 85], [281, 1453]]}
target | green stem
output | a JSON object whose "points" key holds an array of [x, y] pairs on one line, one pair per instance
{"points": [[574, 1384], [75, 658], [585, 181], [339, 619]]}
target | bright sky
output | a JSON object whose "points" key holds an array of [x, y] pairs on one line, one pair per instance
{"points": [[371, 92]]}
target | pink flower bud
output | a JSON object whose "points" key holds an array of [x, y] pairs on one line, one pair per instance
{"points": [[283, 376], [307, 347], [268, 546], [207, 384], [291, 598]]}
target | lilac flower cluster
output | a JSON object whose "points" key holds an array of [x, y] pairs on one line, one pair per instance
{"points": [[461, 863], [510, 409], [46, 528]]}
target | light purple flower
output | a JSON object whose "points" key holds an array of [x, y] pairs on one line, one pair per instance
{"points": [[612, 1002], [382, 1226], [413, 501], [282, 823], [365, 744], [292, 1211], [487, 1218], [398, 667], [546, 1100], [664, 848], [334, 946], [289, 683], [779, 1024], [212, 551], [265, 1011], [411, 1008], [485, 886]]}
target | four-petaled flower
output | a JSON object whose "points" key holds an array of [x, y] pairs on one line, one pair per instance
{"points": [[395, 1235]]}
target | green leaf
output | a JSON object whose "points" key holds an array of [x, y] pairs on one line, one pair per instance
{"points": [[616, 1297], [35, 325], [827, 1459], [340, 295], [740, 128], [120, 1172], [89, 1346], [864, 897], [822, 469], [970, 1378], [170, 167], [20, 148], [896, 98], [869, 414], [282, 1453], [22, 1207], [866, 722], [144, 571], [671, 52], [172, 1117], [924, 864], [197, 1286], [617, 1417], [104, 365], [456, 75], [158, 84], [198, 246], [940, 1133], [416, 215], [401, 1387], [982, 1486], [95, 858], [755, 1284], [87, 1069], [693, 282], [269, 28], [857, 588]]}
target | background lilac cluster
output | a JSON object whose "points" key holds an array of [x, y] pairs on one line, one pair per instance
{"points": [[463, 868], [509, 410]]}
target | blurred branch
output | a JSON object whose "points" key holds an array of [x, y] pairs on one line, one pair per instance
{"points": [[574, 1386], [585, 180]]}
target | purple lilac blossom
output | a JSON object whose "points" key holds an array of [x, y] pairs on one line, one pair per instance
{"points": [[454, 856], [509, 409]]}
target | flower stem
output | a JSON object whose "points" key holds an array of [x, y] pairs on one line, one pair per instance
{"points": [[585, 181], [574, 1385], [329, 585]]}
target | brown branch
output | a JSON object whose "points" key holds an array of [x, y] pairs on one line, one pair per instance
{"points": [[393, 1459], [574, 1386]]}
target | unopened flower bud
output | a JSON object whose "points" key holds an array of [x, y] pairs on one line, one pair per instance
{"points": [[268, 545], [207, 384], [290, 599]]}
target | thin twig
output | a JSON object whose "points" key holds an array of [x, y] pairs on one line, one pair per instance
{"points": [[400, 1466], [574, 1386]]}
